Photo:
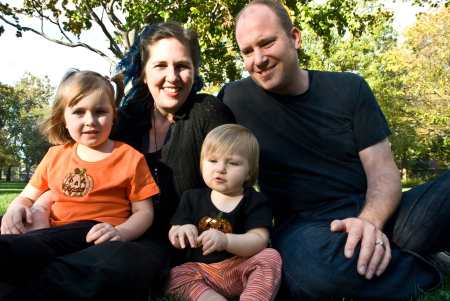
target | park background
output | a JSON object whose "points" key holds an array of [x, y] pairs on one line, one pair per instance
{"points": [[406, 64]]}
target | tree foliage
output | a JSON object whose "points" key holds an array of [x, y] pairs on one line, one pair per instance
{"points": [[23, 107], [422, 65], [8, 109], [410, 80], [214, 21]]}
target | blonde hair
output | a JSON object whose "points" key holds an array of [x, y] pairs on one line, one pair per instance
{"points": [[74, 86], [233, 138]]}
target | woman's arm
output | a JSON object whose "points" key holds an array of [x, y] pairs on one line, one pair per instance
{"points": [[18, 212]]}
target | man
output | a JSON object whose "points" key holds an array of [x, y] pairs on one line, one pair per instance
{"points": [[343, 227]]}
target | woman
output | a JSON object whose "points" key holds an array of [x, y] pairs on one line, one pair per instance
{"points": [[163, 117]]}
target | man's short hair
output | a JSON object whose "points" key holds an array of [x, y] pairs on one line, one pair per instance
{"points": [[276, 7]]}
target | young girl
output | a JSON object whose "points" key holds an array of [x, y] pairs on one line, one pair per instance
{"points": [[225, 226], [101, 188]]}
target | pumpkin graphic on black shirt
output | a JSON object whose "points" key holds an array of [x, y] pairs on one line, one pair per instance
{"points": [[218, 223]]}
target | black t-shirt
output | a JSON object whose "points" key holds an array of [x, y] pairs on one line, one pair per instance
{"points": [[176, 167], [310, 142], [253, 211]]}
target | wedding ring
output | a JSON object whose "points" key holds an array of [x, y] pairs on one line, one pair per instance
{"points": [[381, 243]]}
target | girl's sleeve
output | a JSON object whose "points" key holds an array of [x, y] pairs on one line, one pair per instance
{"points": [[39, 179], [143, 186]]}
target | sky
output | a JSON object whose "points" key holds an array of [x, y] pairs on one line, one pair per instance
{"points": [[40, 57]]}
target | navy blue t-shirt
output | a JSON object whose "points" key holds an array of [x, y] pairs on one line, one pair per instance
{"points": [[310, 142]]}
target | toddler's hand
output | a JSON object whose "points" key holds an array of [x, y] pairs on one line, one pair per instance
{"points": [[212, 240], [103, 232], [179, 235]]}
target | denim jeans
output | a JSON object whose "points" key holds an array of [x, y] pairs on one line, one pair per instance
{"points": [[314, 266]]}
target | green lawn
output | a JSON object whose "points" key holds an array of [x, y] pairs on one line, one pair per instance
{"points": [[8, 191]]}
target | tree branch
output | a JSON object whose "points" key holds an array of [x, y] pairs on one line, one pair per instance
{"points": [[69, 44], [112, 43], [49, 19], [112, 17]]}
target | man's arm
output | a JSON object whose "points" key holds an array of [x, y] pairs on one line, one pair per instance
{"points": [[382, 199], [383, 183]]}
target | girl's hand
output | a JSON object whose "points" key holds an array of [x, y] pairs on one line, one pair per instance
{"points": [[180, 235], [212, 240], [103, 232], [13, 222]]}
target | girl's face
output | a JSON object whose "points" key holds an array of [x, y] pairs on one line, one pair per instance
{"points": [[89, 122], [225, 174], [169, 74]]}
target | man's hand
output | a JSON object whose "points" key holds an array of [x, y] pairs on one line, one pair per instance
{"points": [[212, 240], [375, 251]]}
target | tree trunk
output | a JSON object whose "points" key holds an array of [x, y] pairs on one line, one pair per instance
{"points": [[8, 173], [27, 173]]}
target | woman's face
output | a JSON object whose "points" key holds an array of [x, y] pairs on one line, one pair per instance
{"points": [[169, 74]]}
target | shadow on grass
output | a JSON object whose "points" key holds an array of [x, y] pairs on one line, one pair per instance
{"points": [[11, 186]]}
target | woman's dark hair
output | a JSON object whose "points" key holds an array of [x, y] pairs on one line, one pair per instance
{"points": [[133, 64]]}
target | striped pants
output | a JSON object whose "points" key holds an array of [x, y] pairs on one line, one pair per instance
{"points": [[253, 278]]}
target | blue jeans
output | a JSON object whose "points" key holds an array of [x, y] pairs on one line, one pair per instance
{"points": [[314, 266]]}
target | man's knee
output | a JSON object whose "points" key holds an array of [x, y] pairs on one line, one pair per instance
{"points": [[314, 266]]}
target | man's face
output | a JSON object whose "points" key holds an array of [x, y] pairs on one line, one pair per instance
{"points": [[269, 53]]}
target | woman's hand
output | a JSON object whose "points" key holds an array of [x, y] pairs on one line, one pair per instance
{"points": [[212, 240], [17, 214], [179, 235], [103, 232]]}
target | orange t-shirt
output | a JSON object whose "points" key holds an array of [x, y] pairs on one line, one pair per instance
{"points": [[99, 191]]}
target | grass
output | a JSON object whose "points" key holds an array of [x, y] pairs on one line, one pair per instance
{"points": [[8, 191], [442, 294]]}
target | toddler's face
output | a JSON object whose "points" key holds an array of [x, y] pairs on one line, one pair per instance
{"points": [[89, 122], [225, 173]]}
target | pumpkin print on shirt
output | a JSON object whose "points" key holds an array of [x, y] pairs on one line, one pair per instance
{"points": [[77, 183], [218, 223]]}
